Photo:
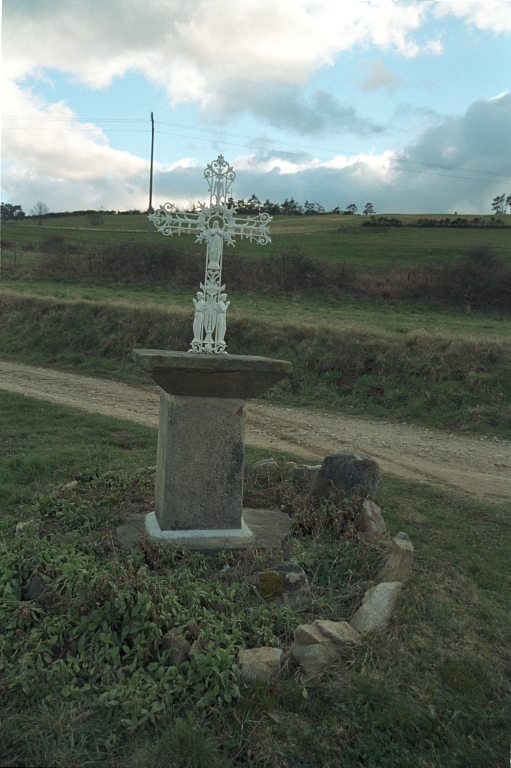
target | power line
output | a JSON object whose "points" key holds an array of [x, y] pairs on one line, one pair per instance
{"points": [[221, 133]]}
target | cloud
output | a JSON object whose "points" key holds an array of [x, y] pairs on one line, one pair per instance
{"points": [[460, 164], [285, 107], [378, 76], [193, 48], [486, 15]]}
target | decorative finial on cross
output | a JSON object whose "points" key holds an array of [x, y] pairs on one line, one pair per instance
{"points": [[214, 225]]}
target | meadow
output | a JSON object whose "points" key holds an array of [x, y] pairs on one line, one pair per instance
{"points": [[84, 673]]}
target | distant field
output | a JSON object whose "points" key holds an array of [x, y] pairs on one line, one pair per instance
{"points": [[335, 238]]}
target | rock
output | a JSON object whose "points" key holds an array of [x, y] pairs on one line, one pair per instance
{"points": [[180, 648], [259, 664], [266, 466], [344, 474], [338, 632], [284, 583], [195, 648], [370, 522], [41, 593], [306, 473], [399, 563], [290, 465], [377, 606], [31, 525], [314, 658], [70, 486], [323, 631], [402, 535], [308, 634]]}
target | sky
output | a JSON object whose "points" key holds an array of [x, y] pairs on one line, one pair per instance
{"points": [[406, 105]]}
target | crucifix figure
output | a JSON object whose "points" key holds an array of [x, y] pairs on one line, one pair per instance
{"points": [[214, 225]]}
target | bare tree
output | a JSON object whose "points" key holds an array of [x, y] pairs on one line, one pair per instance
{"points": [[40, 210]]}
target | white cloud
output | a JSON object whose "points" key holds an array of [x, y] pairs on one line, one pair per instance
{"points": [[487, 15]]}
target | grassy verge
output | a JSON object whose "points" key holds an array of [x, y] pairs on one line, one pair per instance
{"points": [[86, 680], [444, 381]]}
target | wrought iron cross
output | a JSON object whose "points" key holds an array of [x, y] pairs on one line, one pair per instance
{"points": [[215, 225]]}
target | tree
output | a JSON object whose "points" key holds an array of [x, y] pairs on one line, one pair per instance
{"points": [[508, 202], [40, 210], [351, 209], [10, 212], [369, 210], [499, 204]]}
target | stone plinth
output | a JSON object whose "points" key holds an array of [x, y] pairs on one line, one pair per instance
{"points": [[201, 438], [238, 376]]}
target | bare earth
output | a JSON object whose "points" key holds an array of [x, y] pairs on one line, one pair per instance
{"points": [[477, 466]]}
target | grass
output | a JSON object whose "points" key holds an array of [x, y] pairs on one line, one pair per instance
{"points": [[84, 678], [458, 382], [318, 236]]}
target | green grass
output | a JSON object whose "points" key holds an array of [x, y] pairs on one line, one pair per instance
{"points": [[394, 316], [319, 237], [85, 681]]}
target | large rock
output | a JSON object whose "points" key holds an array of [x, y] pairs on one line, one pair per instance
{"points": [[284, 584], [314, 658], [179, 645], [398, 566], [259, 664], [346, 474], [370, 522], [377, 606]]}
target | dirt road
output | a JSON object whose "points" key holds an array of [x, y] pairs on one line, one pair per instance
{"points": [[478, 466]]}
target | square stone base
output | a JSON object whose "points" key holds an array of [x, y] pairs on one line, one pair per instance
{"points": [[268, 529]]}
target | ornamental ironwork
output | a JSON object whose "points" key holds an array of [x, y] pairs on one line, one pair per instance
{"points": [[214, 225]]}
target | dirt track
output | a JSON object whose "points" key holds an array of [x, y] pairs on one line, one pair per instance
{"points": [[480, 467]]}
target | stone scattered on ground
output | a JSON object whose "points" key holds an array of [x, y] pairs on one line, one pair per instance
{"points": [[259, 664], [377, 606], [180, 648], [195, 648], [370, 522], [283, 583], [266, 466], [306, 473], [314, 658], [338, 632], [399, 563], [41, 593], [70, 486], [344, 474]]}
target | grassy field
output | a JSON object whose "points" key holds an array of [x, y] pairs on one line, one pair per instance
{"points": [[334, 238], [85, 679]]}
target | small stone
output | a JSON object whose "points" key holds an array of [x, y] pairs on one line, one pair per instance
{"points": [[195, 648], [377, 606], [306, 473], [308, 634], [266, 466], [345, 474], [70, 486], [290, 464], [180, 648], [22, 526], [369, 521], [337, 631], [314, 658], [259, 664], [284, 583], [399, 563], [402, 535]]}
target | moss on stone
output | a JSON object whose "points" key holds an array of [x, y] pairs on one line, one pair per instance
{"points": [[270, 585]]}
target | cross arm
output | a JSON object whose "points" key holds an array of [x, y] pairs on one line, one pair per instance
{"points": [[253, 227], [169, 221]]}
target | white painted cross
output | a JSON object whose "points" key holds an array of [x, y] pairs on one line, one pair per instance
{"points": [[214, 225]]}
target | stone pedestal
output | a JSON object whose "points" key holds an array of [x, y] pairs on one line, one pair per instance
{"points": [[199, 469]]}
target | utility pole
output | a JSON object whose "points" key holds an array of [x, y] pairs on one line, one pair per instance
{"points": [[151, 182]]}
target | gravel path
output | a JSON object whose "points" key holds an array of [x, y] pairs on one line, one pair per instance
{"points": [[477, 466]]}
